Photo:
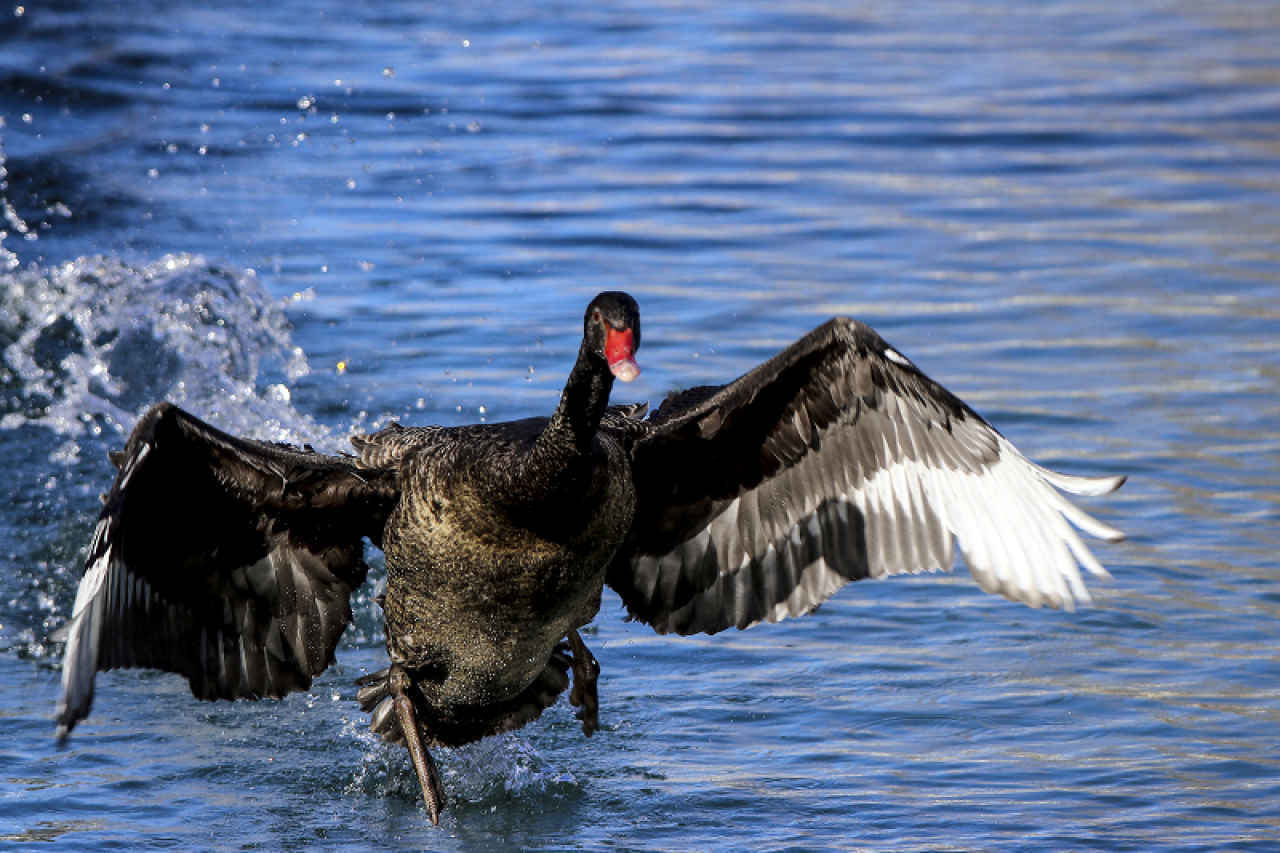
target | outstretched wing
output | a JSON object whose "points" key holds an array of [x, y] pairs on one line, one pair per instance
{"points": [[833, 461], [228, 561]]}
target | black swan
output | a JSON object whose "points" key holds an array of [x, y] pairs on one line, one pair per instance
{"points": [[231, 562]]}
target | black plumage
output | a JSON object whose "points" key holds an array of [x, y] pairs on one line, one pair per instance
{"points": [[231, 562]]}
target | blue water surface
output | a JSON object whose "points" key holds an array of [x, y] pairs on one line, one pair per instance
{"points": [[300, 219]]}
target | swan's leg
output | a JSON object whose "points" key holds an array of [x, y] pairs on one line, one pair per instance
{"points": [[585, 673], [423, 764]]}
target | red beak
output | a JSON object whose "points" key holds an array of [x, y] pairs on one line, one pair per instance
{"points": [[620, 350]]}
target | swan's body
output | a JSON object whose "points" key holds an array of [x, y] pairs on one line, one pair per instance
{"points": [[232, 561]]}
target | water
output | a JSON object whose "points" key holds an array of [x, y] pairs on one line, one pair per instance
{"points": [[301, 219]]}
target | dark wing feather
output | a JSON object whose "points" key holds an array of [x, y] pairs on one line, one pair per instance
{"points": [[228, 561], [834, 461], [385, 448]]}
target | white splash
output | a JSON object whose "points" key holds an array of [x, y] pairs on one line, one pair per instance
{"points": [[90, 344]]}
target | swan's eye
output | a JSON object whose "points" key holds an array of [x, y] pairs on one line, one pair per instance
{"points": [[595, 316]]}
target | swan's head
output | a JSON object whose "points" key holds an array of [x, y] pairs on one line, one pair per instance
{"points": [[611, 330]]}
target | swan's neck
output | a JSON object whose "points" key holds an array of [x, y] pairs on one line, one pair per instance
{"points": [[582, 404]]}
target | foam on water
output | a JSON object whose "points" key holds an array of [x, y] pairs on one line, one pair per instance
{"points": [[90, 344]]}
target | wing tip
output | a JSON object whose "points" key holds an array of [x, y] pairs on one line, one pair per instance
{"points": [[66, 716], [1114, 536], [1099, 530], [1107, 485], [1085, 486]]}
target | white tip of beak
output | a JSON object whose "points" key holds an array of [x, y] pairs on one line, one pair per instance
{"points": [[625, 369]]}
